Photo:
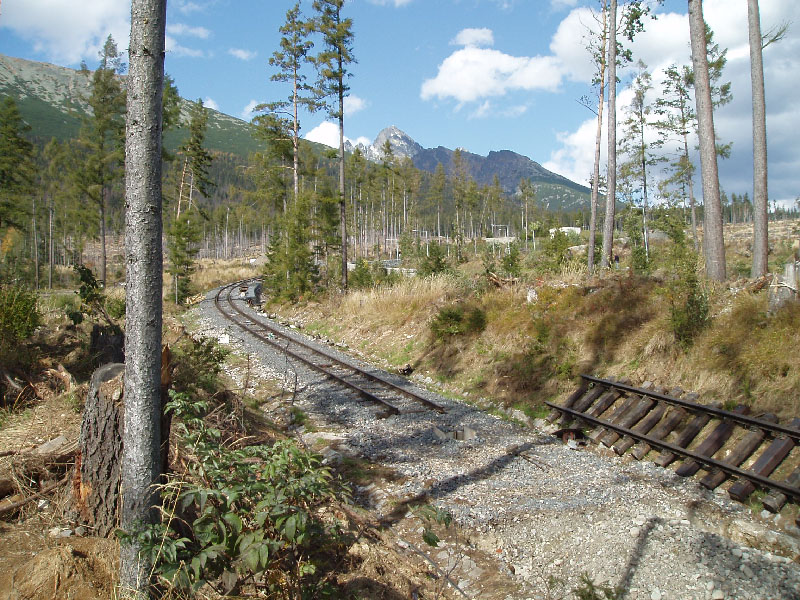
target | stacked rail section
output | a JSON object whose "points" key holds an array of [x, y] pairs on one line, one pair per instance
{"points": [[753, 452]]}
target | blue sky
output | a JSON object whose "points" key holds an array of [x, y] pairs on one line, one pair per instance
{"points": [[479, 74]]}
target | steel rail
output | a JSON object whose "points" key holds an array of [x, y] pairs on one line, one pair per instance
{"points": [[372, 377], [760, 480], [774, 428]]}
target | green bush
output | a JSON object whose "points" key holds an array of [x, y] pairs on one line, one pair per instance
{"points": [[361, 277], [198, 364], [458, 319], [19, 315], [240, 515], [434, 262]]}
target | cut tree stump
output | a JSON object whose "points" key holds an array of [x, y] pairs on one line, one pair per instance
{"points": [[97, 472], [96, 486]]}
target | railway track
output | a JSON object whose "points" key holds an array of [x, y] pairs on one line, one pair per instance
{"points": [[758, 452], [394, 398]]}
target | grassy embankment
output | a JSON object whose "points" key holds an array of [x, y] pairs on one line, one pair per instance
{"points": [[616, 325]]}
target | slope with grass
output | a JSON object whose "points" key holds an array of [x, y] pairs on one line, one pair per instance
{"points": [[523, 353]]}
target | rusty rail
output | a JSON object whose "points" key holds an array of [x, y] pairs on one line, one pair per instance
{"points": [[624, 416]]}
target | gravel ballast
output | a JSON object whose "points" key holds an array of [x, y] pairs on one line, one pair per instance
{"points": [[534, 506]]}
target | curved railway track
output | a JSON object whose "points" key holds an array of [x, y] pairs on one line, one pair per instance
{"points": [[396, 399]]}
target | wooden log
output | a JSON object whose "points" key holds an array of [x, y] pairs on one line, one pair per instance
{"points": [[765, 464], [744, 449], [674, 417], [672, 420], [716, 439], [623, 409], [686, 436], [554, 414], [636, 414], [774, 502], [582, 403], [36, 462], [653, 417], [604, 403]]}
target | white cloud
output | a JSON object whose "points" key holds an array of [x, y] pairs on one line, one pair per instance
{"points": [[471, 74], [247, 111], [328, 133], [474, 37], [64, 33], [210, 103], [187, 7], [353, 104], [562, 4], [242, 54], [187, 30], [176, 49]]}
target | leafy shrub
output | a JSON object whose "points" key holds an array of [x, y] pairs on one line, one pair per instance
{"points": [[458, 320], [19, 315], [251, 514], [198, 364], [115, 307]]}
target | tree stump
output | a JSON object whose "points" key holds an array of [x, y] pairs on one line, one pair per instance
{"points": [[96, 486], [97, 474]]}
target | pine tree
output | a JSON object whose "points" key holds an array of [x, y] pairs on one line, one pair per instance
{"points": [[678, 119], [182, 239], [101, 139], [16, 164], [291, 61], [634, 142], [197, 160], [332, 65]]}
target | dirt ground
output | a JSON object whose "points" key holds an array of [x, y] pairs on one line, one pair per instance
{"points": [[46, 555]]}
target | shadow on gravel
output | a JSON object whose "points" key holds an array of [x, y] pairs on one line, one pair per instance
{"points": [[364, 587], [451, 484]]}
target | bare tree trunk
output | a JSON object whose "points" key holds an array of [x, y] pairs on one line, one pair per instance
{"points": [[714, 243], [760, 225], [611, 193], [35, 246], [342, 202], [597, 143], [51, 246], [143, 248], [103, 236]]}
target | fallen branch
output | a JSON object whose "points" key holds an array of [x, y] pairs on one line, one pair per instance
{"points": [[8, 507]]}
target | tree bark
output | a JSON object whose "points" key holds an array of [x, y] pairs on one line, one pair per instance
{"points": [[611, 193], [97, 487], [342, 203], [760, 222], [713, 239], [144, 255]]}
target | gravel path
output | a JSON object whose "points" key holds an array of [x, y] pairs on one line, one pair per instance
{"points": [[531, 507]]}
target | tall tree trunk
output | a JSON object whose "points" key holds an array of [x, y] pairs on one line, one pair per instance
{"points": [[143, 249], [714, 243], [50, 246], [611, 193], [760, 237], [597, 142], [103, 236], [342, 202], [690, 187], [35, 246]]}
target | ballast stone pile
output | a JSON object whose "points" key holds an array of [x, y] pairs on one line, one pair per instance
{"points": [[541, 508]]}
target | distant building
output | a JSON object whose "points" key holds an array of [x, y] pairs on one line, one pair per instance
{"points": [[567, 230]]}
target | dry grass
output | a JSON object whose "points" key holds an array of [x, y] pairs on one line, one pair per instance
{"points": [[211, 273]]}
